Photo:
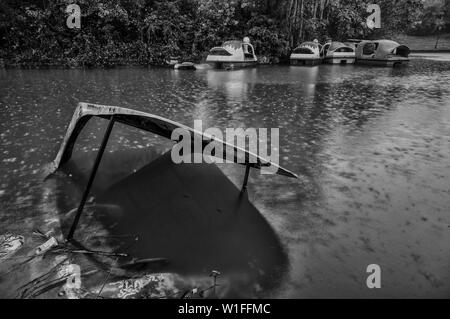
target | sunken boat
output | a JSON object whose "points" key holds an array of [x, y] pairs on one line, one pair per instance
{"points": [[192, 215]]}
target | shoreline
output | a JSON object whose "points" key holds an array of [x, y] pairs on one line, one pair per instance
{"points": [[37, 66], [431, 51], [153, 66], [55, 66]]}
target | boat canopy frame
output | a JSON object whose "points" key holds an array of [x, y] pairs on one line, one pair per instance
{"points": [[145, 121]]}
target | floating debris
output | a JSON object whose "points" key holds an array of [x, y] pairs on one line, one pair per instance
{"points": [[9, 244], [149, 286], [49, 244], [72, 287]]}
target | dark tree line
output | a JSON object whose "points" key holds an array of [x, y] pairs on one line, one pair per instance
{"points": [[149, 31]]}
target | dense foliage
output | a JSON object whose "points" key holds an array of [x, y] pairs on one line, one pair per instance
{"points": [[150, 32], [434, 19]]}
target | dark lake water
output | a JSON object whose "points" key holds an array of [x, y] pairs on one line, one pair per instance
{"points": [[371, 146]]}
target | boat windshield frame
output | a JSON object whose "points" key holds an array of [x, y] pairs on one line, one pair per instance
{"points": [[151, 123]]}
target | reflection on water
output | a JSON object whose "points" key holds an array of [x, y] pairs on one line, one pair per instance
{"points": [[372, 146]]}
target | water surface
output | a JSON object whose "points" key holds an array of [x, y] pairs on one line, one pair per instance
{"points": [[371, 146]]}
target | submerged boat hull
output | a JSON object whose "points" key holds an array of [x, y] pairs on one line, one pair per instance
{"points": [[194, 216]]}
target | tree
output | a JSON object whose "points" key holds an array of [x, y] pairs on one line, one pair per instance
{"points": [[435, 19], [151, 31]]}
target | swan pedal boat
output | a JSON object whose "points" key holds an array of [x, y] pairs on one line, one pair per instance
{"points": [[233, 55], [338, 53], [307, 54], [382, 53]]}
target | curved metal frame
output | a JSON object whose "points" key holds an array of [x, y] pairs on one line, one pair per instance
{"points": [[145, 121], [148, 122]]}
